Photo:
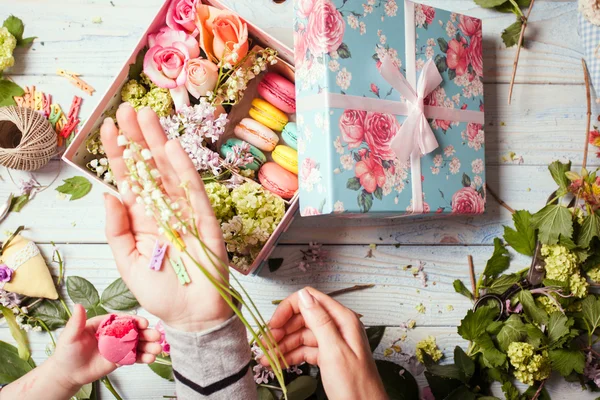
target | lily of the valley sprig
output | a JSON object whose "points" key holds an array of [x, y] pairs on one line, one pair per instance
{"points": [[175, 220]]}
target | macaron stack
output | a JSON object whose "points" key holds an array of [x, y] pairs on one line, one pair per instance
{"points": [[268, 120]]}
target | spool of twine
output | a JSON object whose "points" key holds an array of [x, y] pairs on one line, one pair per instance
{"points": [[27, 140]]}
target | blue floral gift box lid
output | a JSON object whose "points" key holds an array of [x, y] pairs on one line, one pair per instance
{"points": [[352, 117]]}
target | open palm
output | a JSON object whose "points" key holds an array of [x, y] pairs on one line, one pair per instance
{"points": [[132, 235]]}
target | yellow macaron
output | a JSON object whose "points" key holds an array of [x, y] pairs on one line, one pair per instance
{"points": [[268, 115], [286, 157]]}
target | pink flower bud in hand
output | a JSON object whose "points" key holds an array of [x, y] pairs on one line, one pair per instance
{"points": [[202, 77], [118, 339]]}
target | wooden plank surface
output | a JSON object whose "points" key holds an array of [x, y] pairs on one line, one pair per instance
{"points": [[545, 122]]}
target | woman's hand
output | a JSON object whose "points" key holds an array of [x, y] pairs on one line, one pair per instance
{"points": [[312, 327], [132, 235]]}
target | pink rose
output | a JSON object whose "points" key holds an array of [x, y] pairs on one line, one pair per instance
{"points": [[370, 173], [467, 201], [309, 211], [300, 49], [181, 16], [325, 30], [429, 14], [307, 167], [469, 26], [166, 347], [456, 57], [380, 129], [475, 54], [166, 37], [431, 100], [304, 7], [223, 35], [202, 77], [375, 89], [473, 130], [426, 208], [352, 127]]}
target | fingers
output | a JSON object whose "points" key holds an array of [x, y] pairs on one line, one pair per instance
{"points": [[128, 124], [150, 348], [114, 152], [145, 358], [141, 322], [150, 335], [119, 235], [76, 323], [292, 325], [319, 321], [156, 138], [303, 354]]}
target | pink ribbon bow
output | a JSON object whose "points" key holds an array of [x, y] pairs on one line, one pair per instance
{"points": [[415, 137]]}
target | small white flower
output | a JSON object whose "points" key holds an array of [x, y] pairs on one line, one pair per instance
{"points": [[37, 328], [136, 189], [154, 173], [94, 163], [122, 140], [24, 310], [146, 154], [156, 194], [127, 154]]}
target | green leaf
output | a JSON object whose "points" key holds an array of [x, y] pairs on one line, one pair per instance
{"points": [[17, 333], [301, 388], [510, 391], [77, 187], [589, 230], [503, 282], [534, 336], [440, 387], [96, 311], [459, 287], [162, 370], [265, 394], [81, 291], [490, 3], [440, 63], [85, 392], [494, 327], [532, 390], [375, 334], [353, 184], [531, 310], [473, 325], [492, 357], [461, 393], [590, 308], [26, 41], [449, 371], [553, 221], [378, 193], [8, 90], [499, 262], [466, 180], [558, 171], [443, 45], [12, 366], [275, 264], [15, 26], [51, 313], [451, 74], [512, 331], [17, 203], [397, 381], [558, 326], [135, 69], [365, 201], [464, 363], [566, 361], [117, 296], [510, 36], [344, 51], [522, 238]]}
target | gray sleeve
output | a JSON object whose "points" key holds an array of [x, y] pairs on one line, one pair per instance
{"points": [[212, 364]]}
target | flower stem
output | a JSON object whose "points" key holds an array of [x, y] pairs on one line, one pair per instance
{"points": [[525, 20], [110, 387]]}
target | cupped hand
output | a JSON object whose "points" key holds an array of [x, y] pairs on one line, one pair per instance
{"points": [[132, 235], [311, 327], [77, 357]]}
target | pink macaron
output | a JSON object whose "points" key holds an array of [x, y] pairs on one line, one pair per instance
{"points": [[118, 339], [278, 91], [278, 180], [256, 134]]}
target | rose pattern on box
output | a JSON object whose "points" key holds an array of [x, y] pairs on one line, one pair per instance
{"points": [[346, 161]]}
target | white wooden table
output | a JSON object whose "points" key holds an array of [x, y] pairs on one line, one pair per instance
{"points": [[545, 122]]}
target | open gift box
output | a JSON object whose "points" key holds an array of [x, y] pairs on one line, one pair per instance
{"points": [[78, 155], [389, 109]]}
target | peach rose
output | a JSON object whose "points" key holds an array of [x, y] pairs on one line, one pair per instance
{"points": [[467, 201], [370, 173], [380, 129], [475, 54], [456, 57], [223, 35], [469, 26], [304, 7], [352, 127], [181, 16], [202, 77], [325, 29]]}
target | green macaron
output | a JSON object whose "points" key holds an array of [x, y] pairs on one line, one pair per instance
{"points": [[259, 157], [290, 135]]}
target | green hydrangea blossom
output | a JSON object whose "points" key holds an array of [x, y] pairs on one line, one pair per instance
{"points": [[530, 367], [546, 304], [7, 45], [594, 274], [160, 101], [146, 94], [132, 91], [428, 346], [578, 285], [560, 262], [218, 194]]}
